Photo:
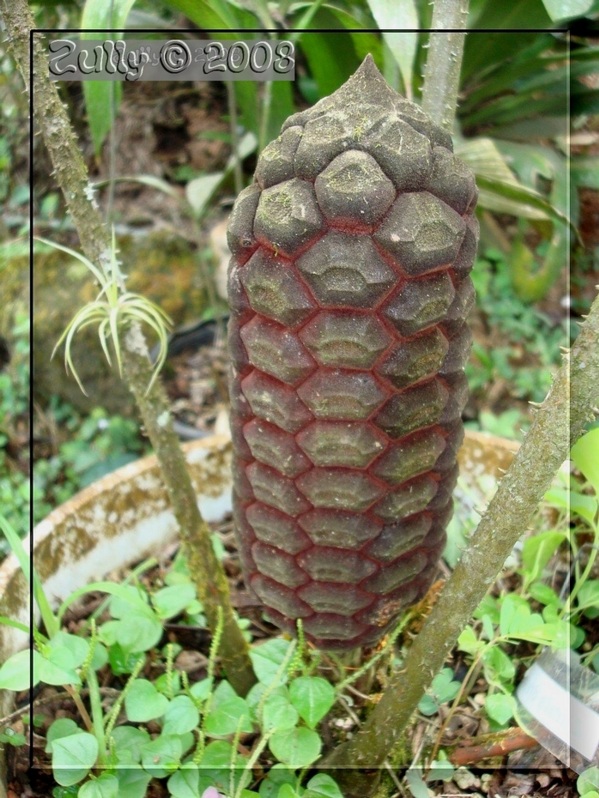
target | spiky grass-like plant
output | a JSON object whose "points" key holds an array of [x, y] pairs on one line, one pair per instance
{"points": [[113, 309]]}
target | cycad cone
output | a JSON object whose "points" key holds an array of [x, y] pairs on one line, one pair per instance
{"points": [[349, 291]]}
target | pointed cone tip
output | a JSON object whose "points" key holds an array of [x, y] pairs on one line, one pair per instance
{"points": [[368, 80], [368, 67]]}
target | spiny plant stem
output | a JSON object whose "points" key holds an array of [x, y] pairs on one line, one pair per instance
{"points": [[560, 421], [444, 62], [73, 179]]}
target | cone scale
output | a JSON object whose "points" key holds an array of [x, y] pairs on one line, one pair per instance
{"points": [[349, 291]]}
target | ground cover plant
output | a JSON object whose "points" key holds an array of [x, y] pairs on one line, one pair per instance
{"points": [[389, 710], [139, 707]]}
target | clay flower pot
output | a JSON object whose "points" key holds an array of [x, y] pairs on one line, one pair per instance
{"points": [[125, 517]]}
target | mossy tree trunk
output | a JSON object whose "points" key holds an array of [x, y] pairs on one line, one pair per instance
{"points": [[72, 177], [558, 423]]}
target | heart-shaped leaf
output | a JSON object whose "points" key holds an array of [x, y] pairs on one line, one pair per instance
{"points": [[143, 702], [73, 757], [312, 697]]}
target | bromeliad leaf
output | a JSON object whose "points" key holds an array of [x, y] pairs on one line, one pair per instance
{"points": [[113, 309]]}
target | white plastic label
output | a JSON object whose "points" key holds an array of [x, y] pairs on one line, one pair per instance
{"points": [[561, 713]]}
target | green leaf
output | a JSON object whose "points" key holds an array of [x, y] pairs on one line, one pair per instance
{"points": [[538, 550], [518, 622], [399, 15], [322, 786], [567, 9], [72, 648], [331, 58], [224, 692], [200, 191], [287, 791], [584, 171], [171, 601], [278, 713], [499, 668], [105, 786], [133, 782], [168, 684], [588, 782], [131, 740], [14, 624], [500, 707], [217, 755], [416, 784], [587, 599], [11, 737], [500, 191], [137, 632], [120, 661], [441, 770], [53, 671], [428, 705], [102, 96], [15, 673], [143, 702], [312, 697], [161, 756], [209, 14], [516, 200], [129, 595], [267, 658], [469, 642], [584, 455], [146, 180], [31, 575], [201, 690], [296, 748], [544, 594], [515, 615], [73, 757], [443, 688], [584, 506], [185, 782], [275, 778], [61, 727], [127, 599], [99, 656], [181, 716], [226, 717]]}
